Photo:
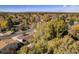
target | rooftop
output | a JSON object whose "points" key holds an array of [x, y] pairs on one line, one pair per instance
{"points": [[4, 43]]}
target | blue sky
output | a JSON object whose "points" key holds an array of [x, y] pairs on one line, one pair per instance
{"points": [[39, 8]]}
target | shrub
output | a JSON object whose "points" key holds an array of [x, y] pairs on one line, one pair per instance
{"points": [[74, 31]]}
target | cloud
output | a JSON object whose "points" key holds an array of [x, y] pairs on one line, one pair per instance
{"points": [[64, 6], [70, 8]]}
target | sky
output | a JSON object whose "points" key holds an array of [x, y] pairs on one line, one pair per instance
{"points": [[39, 8]]}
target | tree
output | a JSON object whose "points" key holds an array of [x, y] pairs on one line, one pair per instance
{"points": [[3, 24], [10, 23], [59, 27]]}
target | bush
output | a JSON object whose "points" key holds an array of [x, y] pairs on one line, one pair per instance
{"points": [[74, 31], [59, 27], [64, 45], [23, 50]]}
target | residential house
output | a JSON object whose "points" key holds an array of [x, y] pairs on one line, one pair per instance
{"points": [[8, 46], [22, 38]]}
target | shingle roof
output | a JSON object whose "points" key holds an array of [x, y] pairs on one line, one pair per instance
{"points": [[4, 43]]}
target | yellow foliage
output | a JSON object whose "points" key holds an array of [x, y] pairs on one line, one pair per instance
{"points": [[3, 24], [54, 42], [75, 27], [23, 50]]}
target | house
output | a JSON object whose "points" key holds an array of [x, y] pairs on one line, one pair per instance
{"points": [[8, 46], [18, 38], [22, 38]]}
